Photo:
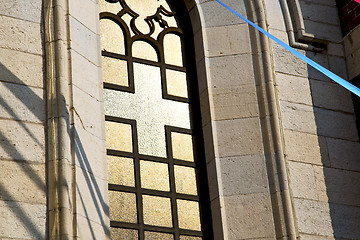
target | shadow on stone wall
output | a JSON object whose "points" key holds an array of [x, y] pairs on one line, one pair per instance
{"points": [[23, 147], [21, 110], [340, 153]]}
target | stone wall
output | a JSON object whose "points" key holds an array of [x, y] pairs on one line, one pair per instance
{"points": [[320, 137], [22, 121]]}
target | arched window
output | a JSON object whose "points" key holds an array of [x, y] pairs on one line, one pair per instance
{"points": [[154, 140]]}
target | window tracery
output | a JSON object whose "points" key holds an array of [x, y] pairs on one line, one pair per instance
{"points": [[152, 162]]}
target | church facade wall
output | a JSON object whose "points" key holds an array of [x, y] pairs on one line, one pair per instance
{"points": [[281, 143], [22, 124]]}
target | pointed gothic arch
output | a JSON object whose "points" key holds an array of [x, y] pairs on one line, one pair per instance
{"points": [[136, 192]]}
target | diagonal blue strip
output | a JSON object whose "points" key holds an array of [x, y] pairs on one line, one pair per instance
{"points": [[315, 65]]}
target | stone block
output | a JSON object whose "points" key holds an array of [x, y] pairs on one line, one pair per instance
{"points": [[213, 14], [201, 75], [342, 186], [20, 102], [230, 71], [22, 141], [88, 113], [298, 117], [227, 40], [353, 64], [249, 216], [322, 2], [209, 142], [205, 108], [344, 154], [20, 35], [22, 220], [293, 89], [323, 60], [331, 33], [234, 102], [319, 13], [92, 197], [238, 137], [338, 66], [280, 34], [86, 229], [331, 96], [335, 124], [28, 71], [302, 180], [88, 16], [275, 17], [243, 175], [194, 17], [336, 49], [22, 182], [306, 148], [90, 153], [286, 62], [218, 217], [85, 42], [214, 179], [350, 41], [314, 237], [320, 180], [86, 76], [22, 9], [313, 217], [345, 221]]}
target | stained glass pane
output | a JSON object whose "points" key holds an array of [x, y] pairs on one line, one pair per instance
{"points": [[183, 237], [118, 136], [123, 234], [115, 71], [149, 109], [154, 175], [185, 180], [121, 171], [149, 8], [173, 50], [176, 83], [189, 216], [109, 7], [157, 211], [112, 37], [122, 207], [182, 146], [158, 236], [144, 50]]}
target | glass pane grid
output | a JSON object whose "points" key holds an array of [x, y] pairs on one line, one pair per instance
{"points": [[158, 204], [176, 223]]}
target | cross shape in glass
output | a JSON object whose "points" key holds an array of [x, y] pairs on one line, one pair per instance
{"points": [[149, 109]]}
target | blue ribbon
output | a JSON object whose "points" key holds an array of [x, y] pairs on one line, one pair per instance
{"points": [[315, 65]]}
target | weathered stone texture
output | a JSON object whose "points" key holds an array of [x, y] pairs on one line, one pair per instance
{"points": [[20, 35], [20, 102], [234, 102], [22, 9], [238, 137], [29, 147], [243, 175], [22, 182], [225, 40], [249, 216], [302, 180], [28, 71], [21, 220]]}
